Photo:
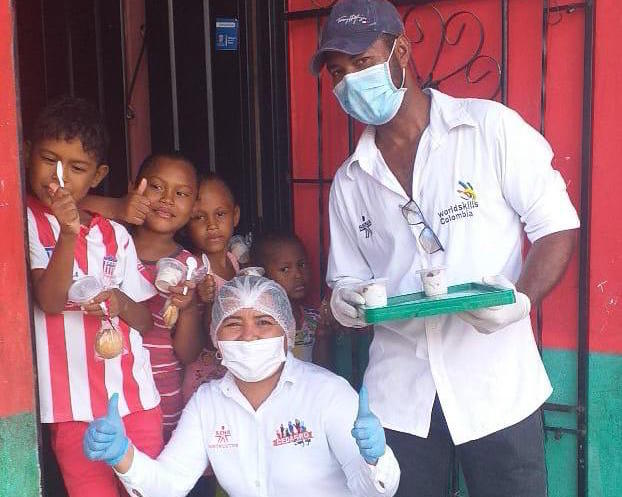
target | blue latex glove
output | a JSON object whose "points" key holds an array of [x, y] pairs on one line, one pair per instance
{"points": [[105, 438], [368, 432]]}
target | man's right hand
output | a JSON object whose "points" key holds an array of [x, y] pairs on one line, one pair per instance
{"points": [[135, 206], [345, 304], [65, 210]]}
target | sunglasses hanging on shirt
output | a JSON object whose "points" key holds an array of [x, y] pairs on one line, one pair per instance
{"points": [[427, 238]]}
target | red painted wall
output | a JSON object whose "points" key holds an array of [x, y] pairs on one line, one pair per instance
{"points": [[606, 218], [16, 372]]}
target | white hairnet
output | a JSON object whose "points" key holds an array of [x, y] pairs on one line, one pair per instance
{"points": [[253, 292]]}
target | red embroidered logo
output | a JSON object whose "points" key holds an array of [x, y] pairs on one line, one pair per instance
{"points": [[223, 439], [295, 433]]}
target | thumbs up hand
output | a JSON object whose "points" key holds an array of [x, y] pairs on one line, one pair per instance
{"points": [[368, 432], [135, 205], [105, 438]]}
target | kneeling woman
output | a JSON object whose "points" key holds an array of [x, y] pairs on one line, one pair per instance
{"points": [[272, 426]]}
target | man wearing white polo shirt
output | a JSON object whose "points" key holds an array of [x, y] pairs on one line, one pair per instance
{"points": [[441, 181]]}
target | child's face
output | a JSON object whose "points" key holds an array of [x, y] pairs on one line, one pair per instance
{"points": [[80, 169], [214, 218], [287, 265], [172, 191]]}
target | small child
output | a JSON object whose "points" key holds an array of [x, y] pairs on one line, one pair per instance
{"points": [[66, 243], [170, 185], [216, 215], [284, 259]]}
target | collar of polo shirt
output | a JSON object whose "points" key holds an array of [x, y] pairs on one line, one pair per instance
{"points": [[288, 375], [446, 113]]}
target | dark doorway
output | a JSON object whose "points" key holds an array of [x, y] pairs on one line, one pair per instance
{"points": [[75, 47], [226, 109]]}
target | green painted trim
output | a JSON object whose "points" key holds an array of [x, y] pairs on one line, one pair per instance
{"points": [[604, 425], [561, 366], [20, 474]]}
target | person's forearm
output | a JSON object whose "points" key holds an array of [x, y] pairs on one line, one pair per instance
{"points": [[52, 283], [545, 264], [179, 465], [107, 207], [135, 314], [188, 340], [125, 464]]}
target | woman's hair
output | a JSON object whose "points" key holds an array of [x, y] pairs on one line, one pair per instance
{"points": [[253, 292]]}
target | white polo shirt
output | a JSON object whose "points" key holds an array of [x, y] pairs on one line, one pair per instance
{"points": [[298, 442], [482, 178]]}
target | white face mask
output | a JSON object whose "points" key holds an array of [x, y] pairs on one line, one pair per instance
{"points": [[255, 360]]}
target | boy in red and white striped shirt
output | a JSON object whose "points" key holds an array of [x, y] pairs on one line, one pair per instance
{"points": [[66, 243]]}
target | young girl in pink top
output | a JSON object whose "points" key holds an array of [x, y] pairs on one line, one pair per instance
{"points": [[215, 216]]}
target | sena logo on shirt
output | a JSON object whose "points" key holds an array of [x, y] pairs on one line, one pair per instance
{"points": [[293, 433], [223, 439], [464, 209]]}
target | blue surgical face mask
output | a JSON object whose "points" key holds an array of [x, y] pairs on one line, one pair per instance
{"points": [[369, 95]]}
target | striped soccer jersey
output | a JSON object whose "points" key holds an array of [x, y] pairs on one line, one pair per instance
{"points": [[75, 384], [167, 368]]}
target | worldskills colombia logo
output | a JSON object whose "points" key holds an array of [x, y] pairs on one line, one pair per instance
{"points": [[223, 439], [464, 209], [293, 433]]}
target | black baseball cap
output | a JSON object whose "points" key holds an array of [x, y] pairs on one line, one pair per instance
{"points": [[353, 25]]}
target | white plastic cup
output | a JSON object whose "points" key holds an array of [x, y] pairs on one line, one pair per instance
{"points": [[170, 273], [252, 271], [375, 292], [434, 281], [84, 289]]}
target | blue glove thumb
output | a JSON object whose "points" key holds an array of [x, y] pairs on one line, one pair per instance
{"points": [[367, 431], [105, 438], [363, 403], [113, 409]]}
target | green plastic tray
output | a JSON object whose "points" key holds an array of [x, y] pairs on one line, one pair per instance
{"points": [[465, 297]]}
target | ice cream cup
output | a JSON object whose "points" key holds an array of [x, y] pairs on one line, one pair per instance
{"points": [[84, 289], [434, 281], [375, 292], [170, 273], [252, 271]]}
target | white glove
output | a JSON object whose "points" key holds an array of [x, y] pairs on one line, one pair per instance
{"points": [[344, 303], [491, 319]]}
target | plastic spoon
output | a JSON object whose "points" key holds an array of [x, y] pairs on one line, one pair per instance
{"points": [[59, 173], [191, 262], [104, 308]]}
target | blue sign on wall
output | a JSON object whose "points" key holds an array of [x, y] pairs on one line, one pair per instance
{"points": [[227, 33]]}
